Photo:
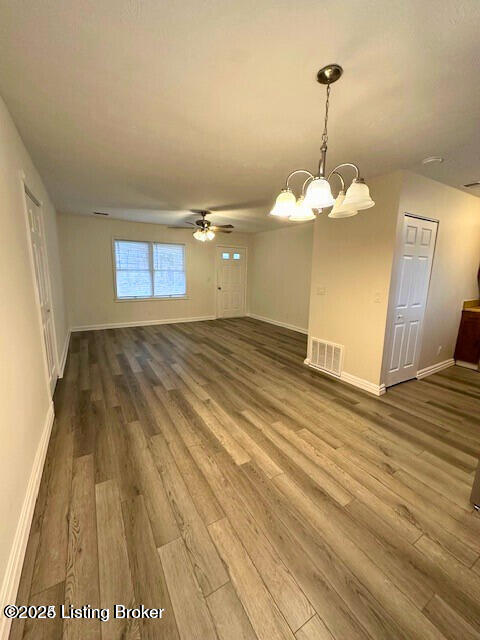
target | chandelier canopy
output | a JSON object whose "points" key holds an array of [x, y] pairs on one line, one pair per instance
{"points": [[316, 191]]}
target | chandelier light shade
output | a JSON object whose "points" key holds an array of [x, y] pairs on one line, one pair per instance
{"points": [[339, 210], [358, 196], [285, 204], [302, 212], [318, 193]]}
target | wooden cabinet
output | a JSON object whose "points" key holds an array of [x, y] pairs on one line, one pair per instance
{"points": [[468, 341]]}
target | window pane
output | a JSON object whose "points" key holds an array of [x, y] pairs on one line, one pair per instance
{"points": [[132, 255], [169, 283], [236, 256], [169, 270], [134, 284], [168, 256], [226, 256]]}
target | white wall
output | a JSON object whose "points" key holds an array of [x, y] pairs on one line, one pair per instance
{"points": [[351, 266], [24, 393], [455, 263], [280, 270], [353, 259], [86, 250]]}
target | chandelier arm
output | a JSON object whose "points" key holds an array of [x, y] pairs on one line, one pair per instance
{"points": [[339, 176], [290, 175], [345, 164], [305, 184]]}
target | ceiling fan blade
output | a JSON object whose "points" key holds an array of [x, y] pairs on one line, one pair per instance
{"points": [[222, 230], [225, 226], [177, 228]]}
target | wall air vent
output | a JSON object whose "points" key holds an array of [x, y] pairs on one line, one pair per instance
{"points": [[100, 213], [326, 356], [470, 185]]}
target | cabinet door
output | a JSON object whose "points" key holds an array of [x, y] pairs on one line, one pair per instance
{"points": [[468, 341]]}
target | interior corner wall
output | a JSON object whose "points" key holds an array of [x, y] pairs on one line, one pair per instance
{"points": [[351, 266], [455, 262], [280, 270], [24, 394], [87, 260]]}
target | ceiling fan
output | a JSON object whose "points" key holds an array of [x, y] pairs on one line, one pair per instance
{"points": [[206, 230]]}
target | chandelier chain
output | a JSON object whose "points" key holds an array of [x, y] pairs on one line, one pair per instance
{"points": [[327, 104]]}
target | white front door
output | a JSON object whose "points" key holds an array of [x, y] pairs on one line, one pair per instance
{"points": [[412, 270], [231, 278], [42, 285]]}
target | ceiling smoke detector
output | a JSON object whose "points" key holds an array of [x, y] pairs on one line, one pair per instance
{"points": [[432, 160]]}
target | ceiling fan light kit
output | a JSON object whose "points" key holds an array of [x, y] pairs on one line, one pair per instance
{"points": [[316, 191], [203, 235], [206, 230]]}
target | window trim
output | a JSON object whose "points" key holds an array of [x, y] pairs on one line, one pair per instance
{"points": [[150, 243]]}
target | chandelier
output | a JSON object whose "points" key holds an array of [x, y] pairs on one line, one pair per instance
{"points": [[316, 192]]}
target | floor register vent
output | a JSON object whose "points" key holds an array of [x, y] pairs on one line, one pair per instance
{"points": [[326, 356]]}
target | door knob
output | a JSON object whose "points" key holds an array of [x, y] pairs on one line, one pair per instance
{"points": [[219, 288]]}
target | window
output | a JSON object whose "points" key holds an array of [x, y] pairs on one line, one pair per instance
{"points": [[236, 256], [226, 256], [149, 270]]}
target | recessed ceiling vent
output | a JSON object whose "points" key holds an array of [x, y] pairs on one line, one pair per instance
{"points": [[100, 213], [471, 185], [326, 356]]}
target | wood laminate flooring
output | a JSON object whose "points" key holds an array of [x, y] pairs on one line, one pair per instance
{"points": [[202, 469]]}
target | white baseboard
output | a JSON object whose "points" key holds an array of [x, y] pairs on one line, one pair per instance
{"points": [[8, 593], [278, 323], [361, 383], [63, 359], [467, 365], [423, 373], [139, 323]]}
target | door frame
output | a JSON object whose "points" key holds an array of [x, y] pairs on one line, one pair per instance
{"points": [[230, 246], [393, 287], [26, 191]]}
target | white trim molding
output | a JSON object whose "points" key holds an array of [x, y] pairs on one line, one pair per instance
{"points": [[423, 373], [278, 323], [361, 383], [8, 593], [139, 323], [63, 359]]}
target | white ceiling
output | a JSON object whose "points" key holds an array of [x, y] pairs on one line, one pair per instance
{"points": [[144, 107]]}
